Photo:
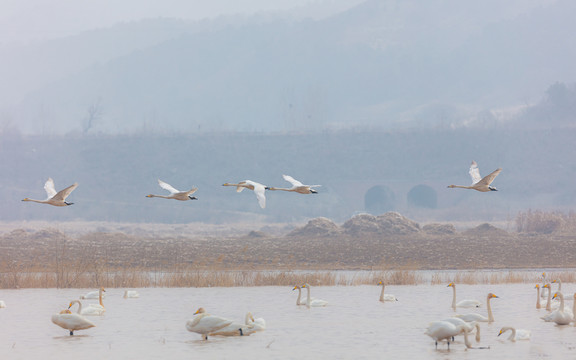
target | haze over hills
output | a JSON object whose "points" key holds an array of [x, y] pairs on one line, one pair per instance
{"points": [[385, 64]]}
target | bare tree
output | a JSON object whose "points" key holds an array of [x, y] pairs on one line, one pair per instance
{"points": [[95, 112]]}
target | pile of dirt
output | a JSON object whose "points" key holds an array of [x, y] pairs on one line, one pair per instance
{"points": [[317, 227], [486, 230], [439, 229], [256, 234], [392, 223], [362, 223]]}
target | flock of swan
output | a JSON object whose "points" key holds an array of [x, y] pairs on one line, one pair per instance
{"points": [[59, 198], [464, 324]]}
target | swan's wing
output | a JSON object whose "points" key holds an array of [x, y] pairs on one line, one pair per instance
{"points": [[192, 191], [167, 187], [50, 189], [63, 194], [474, 173], [260, 191], [487, 180], [292, 181]]}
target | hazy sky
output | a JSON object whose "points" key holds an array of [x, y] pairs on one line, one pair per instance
{"points": [[21, 21]]}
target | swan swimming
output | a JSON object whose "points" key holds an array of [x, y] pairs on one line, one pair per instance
{"points": [[297, 186], [70, 321], [561, 316], [463, 303], [131, 294], [386, 297], [95, 309], [538, 305], [517, 334], [313, 302], [249, 327], [55, 198], [258, 189], [204, 323], [299, 300], [477, 317], [478, 183], [174, 193]]}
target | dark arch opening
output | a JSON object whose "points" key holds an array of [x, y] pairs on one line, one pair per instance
{"points": [[422, 196], [379, 199]]}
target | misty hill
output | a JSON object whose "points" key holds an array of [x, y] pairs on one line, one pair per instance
{"points": [[116, 172], [384, 64]]}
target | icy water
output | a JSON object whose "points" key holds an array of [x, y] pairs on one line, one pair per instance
{"points": [[355, 325]]}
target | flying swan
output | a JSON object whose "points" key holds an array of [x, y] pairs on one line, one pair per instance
{"points": [[55, 198], [297, 186], [174, 194], [70, 321], [478, 183], [258, 189]]}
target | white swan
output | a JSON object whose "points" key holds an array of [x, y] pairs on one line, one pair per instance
{"points": [[561, 316], [131, 294], [313, 302], [92, 295], [249, 327], [258, 189], [470, 326], [55, 198], [386, 297], [72, 322], [478, 183], [549, 305], [444, 330], [517, 334], [175, 194], [477, 317], [258, 324], [95, 309], [204, 323], [2, 304], [297, 186], [560, 289], [463, 303], [538, 305], [545, 290], [299, 300]]}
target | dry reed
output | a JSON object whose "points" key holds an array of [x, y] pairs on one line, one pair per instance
{"points": [[542, 222]]}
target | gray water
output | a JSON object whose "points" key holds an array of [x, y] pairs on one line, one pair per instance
{"points": [[355, 325]]}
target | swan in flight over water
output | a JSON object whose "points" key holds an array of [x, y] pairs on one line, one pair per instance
{"points": [[517, 334], [258, 189], [297, 186], [174, 193], [463, 303], [478, 183], [55, 198], [70, 321], [205, 324]]}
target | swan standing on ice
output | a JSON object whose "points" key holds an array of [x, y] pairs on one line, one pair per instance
{"points": [[175, 194], [444, 330], [463, 303], [478, 183], [70, 321], [297, 186], [477, 317], [131, 294], [313, 302], [258, 189], [55, 198], [386, 297], [204, 323], [517, 334], [95, 309]]}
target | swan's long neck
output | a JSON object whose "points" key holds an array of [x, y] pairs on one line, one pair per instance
{"points": [[561, 308], [466, 341], [513, 336], [454, 297], [461, 187], [283, 189], [538, 306], [158, 196], [36, 201], [382, 293], [548, 303], [559, 285], [490, 316], [100, 297], [477, 332], [308, 296], [299, 294], [79, 306]]}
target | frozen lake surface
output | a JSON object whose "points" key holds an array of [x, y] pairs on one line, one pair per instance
{"points": [[355, 325]]}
